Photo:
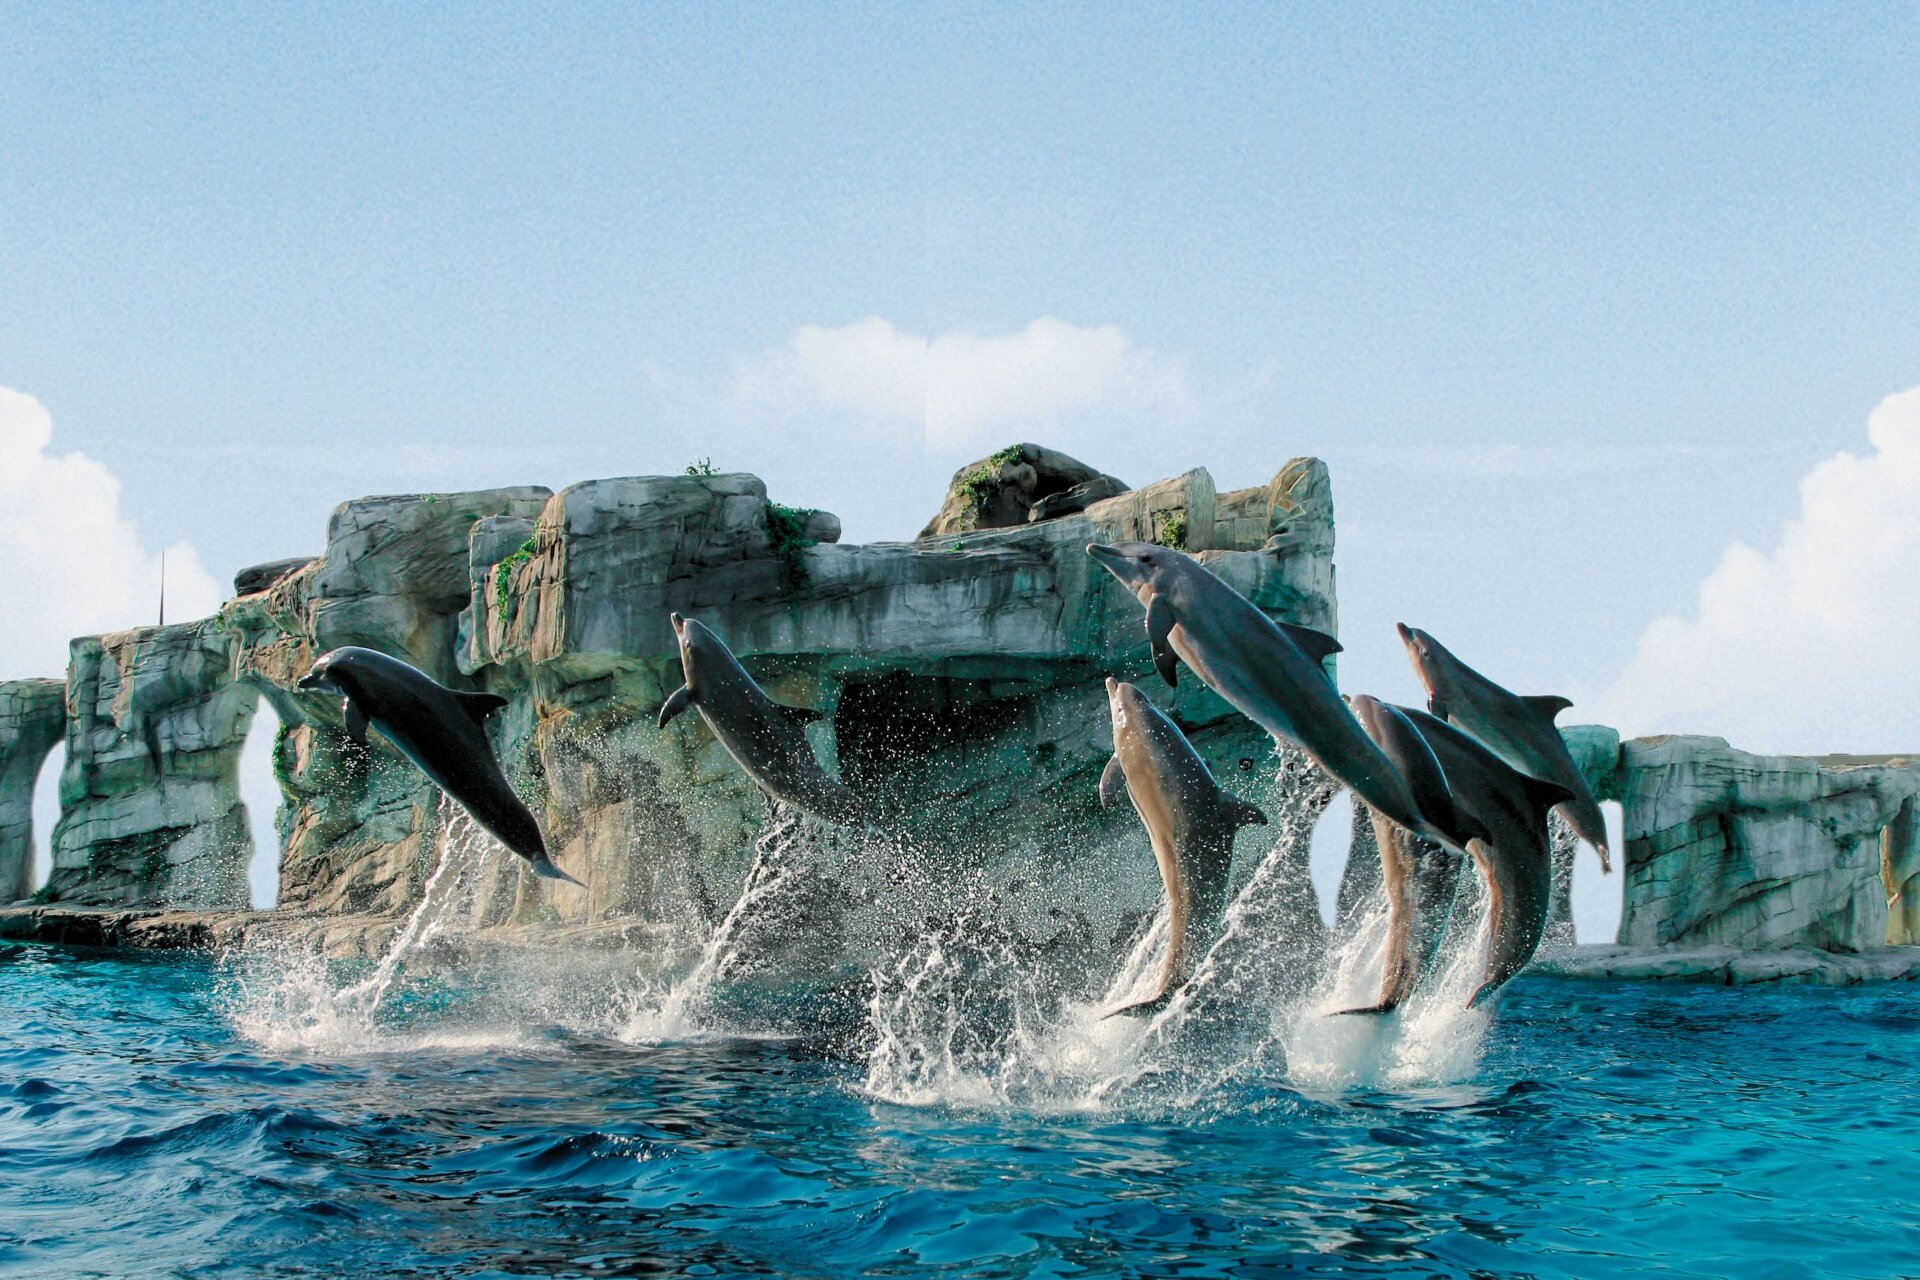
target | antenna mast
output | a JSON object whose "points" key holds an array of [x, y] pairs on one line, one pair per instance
{"points": [[163, 586]]}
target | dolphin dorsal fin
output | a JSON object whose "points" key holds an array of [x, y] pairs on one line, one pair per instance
{"points": [[1113, 783], [1241, 813], [1317, 645], [1546, 794], [479, 706], [1548, 705], [802, 716]]}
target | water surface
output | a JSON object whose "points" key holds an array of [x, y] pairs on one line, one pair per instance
{"points": [[1603, 1129]]}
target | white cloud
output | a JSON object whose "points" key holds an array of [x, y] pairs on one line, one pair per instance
{"points": [[958, 389], [1811, 647], [71, 563]]}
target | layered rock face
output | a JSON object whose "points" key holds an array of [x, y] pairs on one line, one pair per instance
{"points": [[961, 677], [33, 718], [1728, 848], [149, 797]]}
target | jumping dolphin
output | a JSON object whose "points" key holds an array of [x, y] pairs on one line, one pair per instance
{"points": [[1417, 873], [1519, 729], [766, 739], [1511, 807], [1190, 820], [439, 730], [1271, 671]]}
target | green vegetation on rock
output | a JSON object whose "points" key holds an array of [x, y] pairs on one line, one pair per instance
{"points": [[503, 574], [704, 467], [983, 482], [1170, 529], [787, 532]]}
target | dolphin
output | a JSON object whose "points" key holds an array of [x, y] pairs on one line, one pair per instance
{"points": [[766, 739], [1519, 729], [1417, 873], [1271, 671], [1511, 808], [1190, 820], [439, 730]]}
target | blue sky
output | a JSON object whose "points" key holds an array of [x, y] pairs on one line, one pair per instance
{"points": [[1571, 301]]}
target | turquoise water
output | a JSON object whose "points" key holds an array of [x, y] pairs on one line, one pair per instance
{"points": [[151, 1123]]}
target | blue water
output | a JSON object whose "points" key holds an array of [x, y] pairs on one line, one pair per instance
{"points": [[1604, 1129]]}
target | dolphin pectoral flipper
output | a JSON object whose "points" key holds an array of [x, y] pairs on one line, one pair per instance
{"points": [[1317, 645], [1547, 704], [1113, 783], [545, 869], [1160, 623], [479, 706], [802, 716], [677, 701], [356, 720]]}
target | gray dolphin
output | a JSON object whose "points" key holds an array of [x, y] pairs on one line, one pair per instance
{"points": [[1189, 819], [440, 731], [1271, 671], [764, 738], [1511, 807], [1519, 729], [1417, 873]]}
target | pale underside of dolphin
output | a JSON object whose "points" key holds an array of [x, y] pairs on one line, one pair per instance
{"points": [[440, 731], [1519, 729], [1512, 854], [765, 738], [1272, 672], [1417, 874], [1190, 821]]}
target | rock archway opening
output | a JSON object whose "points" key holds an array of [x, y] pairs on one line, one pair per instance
{"points": [[1332, 844], [260, 791], [46, 812], [1598, 898]]}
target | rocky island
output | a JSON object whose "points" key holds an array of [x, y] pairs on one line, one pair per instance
{"points": [[960, 676]]}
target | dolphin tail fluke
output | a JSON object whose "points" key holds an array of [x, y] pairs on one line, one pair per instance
{"points": [[1385, 1006], [546, 870], [1141, 1008]]}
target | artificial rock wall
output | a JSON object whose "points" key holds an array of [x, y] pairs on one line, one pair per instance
{"points": [[961, 675]]}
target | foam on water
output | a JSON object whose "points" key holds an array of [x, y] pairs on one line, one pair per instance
{"points": [[287, 997], [957, 1020], [963, 1006]]}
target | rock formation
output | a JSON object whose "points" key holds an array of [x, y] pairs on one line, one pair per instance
{"points": [[150, 796], [33, 717], [960, 678], [1020, 484], [1727, 848]]}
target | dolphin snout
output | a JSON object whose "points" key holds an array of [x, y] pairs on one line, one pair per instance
{"points": [[1113, 686], [311, 680], [1412, 637], [1105, 554]]}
